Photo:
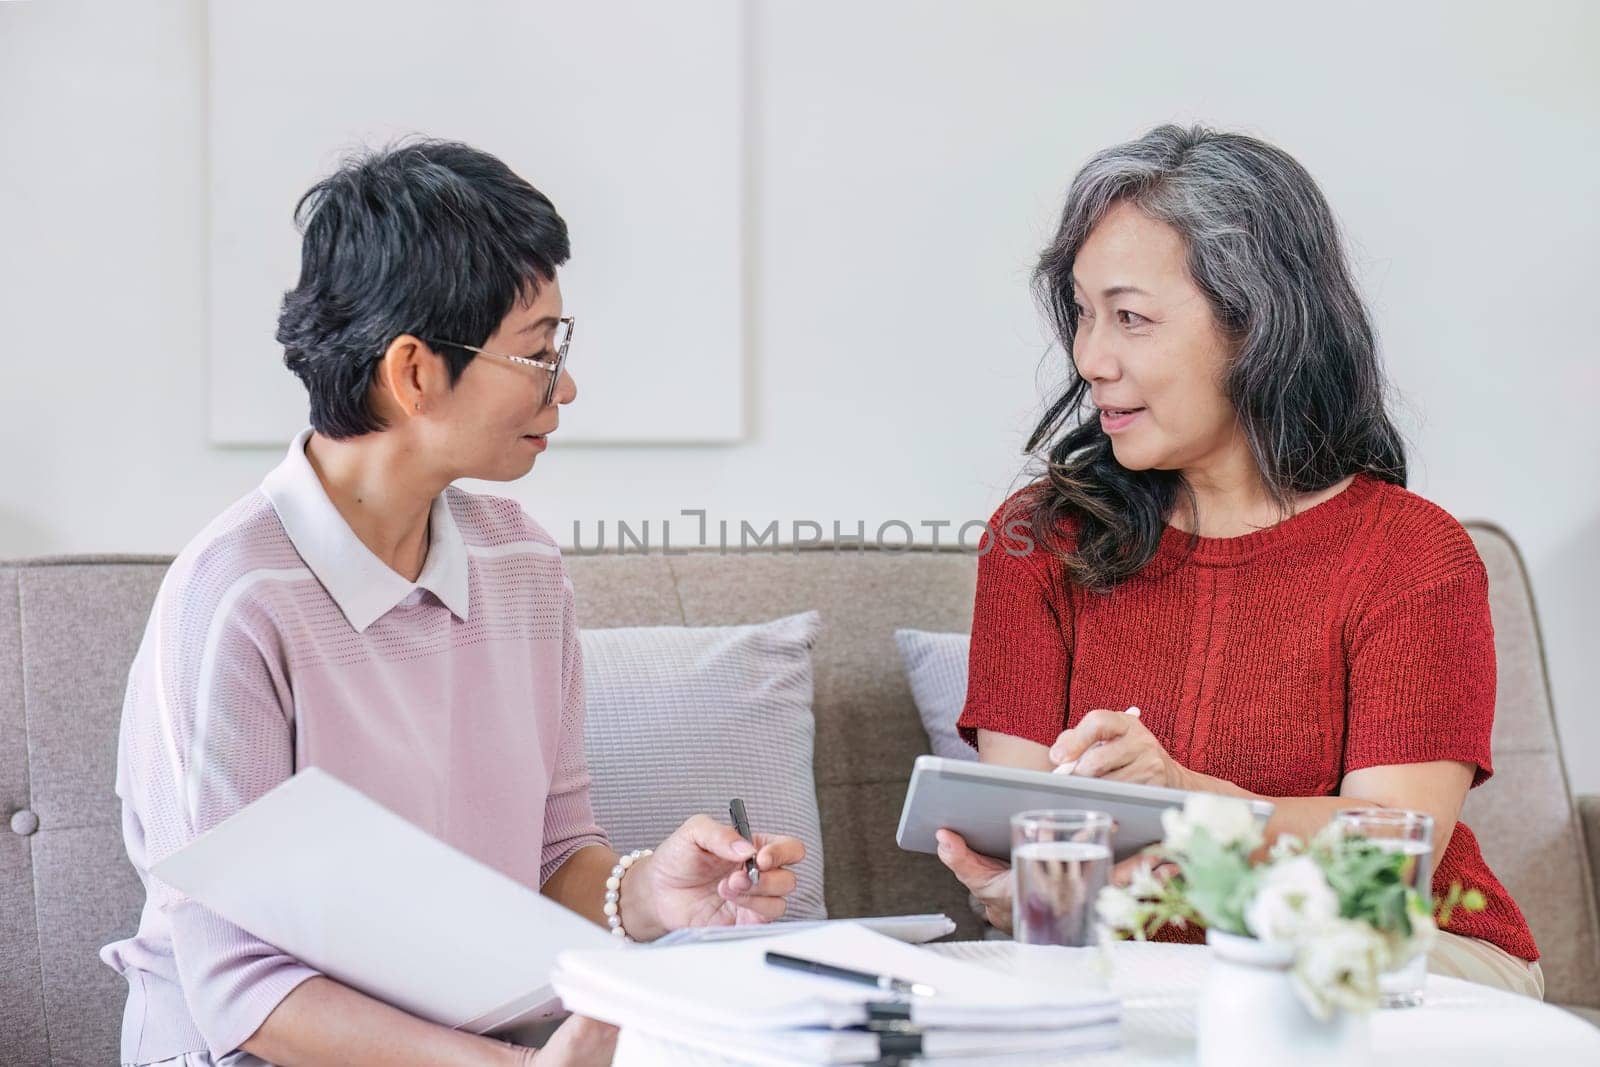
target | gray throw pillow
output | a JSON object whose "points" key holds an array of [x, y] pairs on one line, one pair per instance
{"points": [[936, 667], [682, 719]]}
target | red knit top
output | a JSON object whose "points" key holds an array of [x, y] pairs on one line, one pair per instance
{"points": [[1354, 634]]}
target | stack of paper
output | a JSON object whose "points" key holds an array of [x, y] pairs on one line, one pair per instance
{"points": [[725, 1000]]}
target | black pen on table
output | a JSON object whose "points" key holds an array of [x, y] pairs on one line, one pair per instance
{"points": [[741, 823], [887, 983]]}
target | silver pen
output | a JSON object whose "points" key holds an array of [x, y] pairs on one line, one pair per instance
{"points": [[886, 982], [741, 823]]}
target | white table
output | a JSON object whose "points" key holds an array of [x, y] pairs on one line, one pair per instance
{"points": [[1458, 1024]]}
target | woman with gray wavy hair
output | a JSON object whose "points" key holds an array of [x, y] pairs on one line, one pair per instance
{"points": [[1220, 536]]}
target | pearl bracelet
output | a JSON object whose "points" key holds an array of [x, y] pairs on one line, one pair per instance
{"points": [[613, 908]]}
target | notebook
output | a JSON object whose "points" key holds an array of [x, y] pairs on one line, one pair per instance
{"points": [[673, 1044], [730, 996]]}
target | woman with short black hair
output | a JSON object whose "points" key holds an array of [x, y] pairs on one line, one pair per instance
{"points": [[1221, 536], [359, 613]]}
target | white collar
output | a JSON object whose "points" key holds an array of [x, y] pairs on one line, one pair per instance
{"points": [[364, 587]]}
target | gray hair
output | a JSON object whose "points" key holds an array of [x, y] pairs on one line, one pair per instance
{"points": [[1305, 382]]}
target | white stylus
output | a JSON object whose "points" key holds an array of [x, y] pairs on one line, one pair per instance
{"points": [[1067, 767]]}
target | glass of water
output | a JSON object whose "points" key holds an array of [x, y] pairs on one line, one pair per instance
{"points": [[1409, 833], [1060, 860]]}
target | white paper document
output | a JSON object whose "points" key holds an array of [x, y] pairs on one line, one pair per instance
{"points": [[912, 929], [341, 883]]}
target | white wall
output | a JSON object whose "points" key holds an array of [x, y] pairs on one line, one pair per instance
{"points": [[905, 161], [666, 260]]}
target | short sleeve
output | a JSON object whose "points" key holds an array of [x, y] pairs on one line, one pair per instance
{"points": [[206, 731], [1422, 677], [1020, 664], [569, 823]]}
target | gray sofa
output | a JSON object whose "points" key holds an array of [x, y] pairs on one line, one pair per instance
{"points": [[69, 628]]}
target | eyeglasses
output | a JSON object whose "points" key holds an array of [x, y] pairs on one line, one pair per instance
{"points": [[560, 342]]}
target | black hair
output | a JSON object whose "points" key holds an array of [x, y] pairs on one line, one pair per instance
{"points": [[426, 237]]}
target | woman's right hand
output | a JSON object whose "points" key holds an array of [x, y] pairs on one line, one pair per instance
{"points": [[988, 880], [578, 1042]]}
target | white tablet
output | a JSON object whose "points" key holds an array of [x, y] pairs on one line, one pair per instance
{"points": [[977, 800]]}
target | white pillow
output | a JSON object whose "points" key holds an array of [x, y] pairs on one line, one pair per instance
{"points": [[682, 719], [936, 667]]}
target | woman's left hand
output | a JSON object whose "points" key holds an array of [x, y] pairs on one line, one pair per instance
{"points": [[1128, 752], [697, 878]]}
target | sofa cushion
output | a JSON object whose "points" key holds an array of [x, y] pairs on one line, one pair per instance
{"points": [[79, 624], [936, 668], [1524, 816], [682, 719], [868, 733], [21, 996]]}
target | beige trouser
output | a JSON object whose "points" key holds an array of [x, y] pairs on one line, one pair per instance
{"points": [[1475, 960]]}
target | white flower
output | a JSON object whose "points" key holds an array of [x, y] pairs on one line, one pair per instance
{"points": [[1293, 896], [1330, 838], [1285, 846], [1118, 909], [1144, 884], [1175, 831], [1226, 820], [1337, 967]]}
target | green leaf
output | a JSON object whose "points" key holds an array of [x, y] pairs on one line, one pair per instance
{"points": [[1217, 883]]}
